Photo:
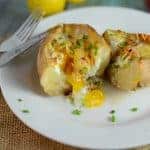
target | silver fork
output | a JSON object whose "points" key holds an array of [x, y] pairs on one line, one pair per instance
{"points": [[23, 33], [8, 56]]}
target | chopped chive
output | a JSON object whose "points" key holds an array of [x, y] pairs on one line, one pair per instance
{"points": [[95, 51], [85, 37], [54, 41], [79, 43], [60, 38], [25, 111], [76, 112], [84, 70], [134, 109], [113, 118], [90, 46], [19, 100], [112, 111], [123, 44]]}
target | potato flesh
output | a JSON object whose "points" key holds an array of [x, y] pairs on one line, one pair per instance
{"points": [[127, 77], [145, 80], [53, 81]]}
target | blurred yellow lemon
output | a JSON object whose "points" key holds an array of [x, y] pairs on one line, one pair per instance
{"points": [[76, 1], [47, 6]]}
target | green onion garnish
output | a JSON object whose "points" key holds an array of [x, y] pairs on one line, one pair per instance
{"points": [[19, 100], [76, 112], [95, 51], [25, 111], [123, 44], [113, 118], [54, 41], [90, 46], [84, 70], [134, 109], [79, 43], [112, 111], [85, 37]]}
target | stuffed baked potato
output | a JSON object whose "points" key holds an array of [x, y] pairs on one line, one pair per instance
{"points": [[70, 54], [130, 65]]}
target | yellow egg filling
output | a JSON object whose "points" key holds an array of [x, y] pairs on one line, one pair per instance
{"points": [[76, 82], [93, 98]]}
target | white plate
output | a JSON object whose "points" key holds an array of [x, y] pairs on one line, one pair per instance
{"points": [[51, 116]]}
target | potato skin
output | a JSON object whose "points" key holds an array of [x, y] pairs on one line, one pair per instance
{"points": [[42, 58], [126, 77], [52, 81], [53, 73]]}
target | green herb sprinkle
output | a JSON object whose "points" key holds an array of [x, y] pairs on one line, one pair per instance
{"points": [[19, 100], [112, 112], [134, 109], [76, 112], [25, 111], [113, 118]]}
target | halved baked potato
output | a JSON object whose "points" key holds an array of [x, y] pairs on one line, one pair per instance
{"points": [[70, 54], [130, 64]]}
